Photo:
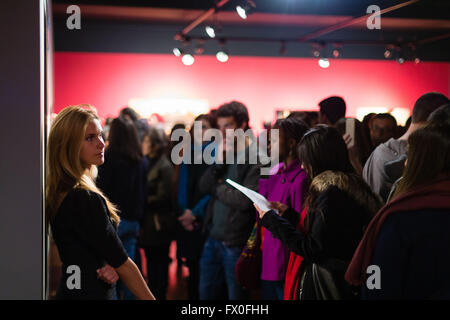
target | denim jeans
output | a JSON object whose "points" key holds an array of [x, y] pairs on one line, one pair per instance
{"points": [[216, 268], [272, 290], [128, 231]]}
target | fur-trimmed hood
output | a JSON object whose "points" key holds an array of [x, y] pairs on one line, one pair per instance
{"points": [[350, 183]]}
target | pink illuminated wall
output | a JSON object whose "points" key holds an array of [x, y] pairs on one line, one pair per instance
{"points": [[109, 80]]}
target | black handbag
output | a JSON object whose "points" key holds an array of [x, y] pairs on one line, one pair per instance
{"points": [[325, 286], [328, 282]]}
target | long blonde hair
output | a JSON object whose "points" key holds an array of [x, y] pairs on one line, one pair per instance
{"points": [[64, 170]]}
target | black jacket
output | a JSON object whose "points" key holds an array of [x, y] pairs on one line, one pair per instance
{"points": [[159, 221], [341, 208], [123, 182], [241, 216], [413, 254]]}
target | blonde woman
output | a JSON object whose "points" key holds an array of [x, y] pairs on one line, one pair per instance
{"points": [[83, 221]]}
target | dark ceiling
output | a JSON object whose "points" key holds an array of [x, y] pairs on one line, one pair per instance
{"points": [[425, 9], [424, 24]]}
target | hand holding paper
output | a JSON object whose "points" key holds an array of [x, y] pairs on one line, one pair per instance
{"points": [[255, 197]]}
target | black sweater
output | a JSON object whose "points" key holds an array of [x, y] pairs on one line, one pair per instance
{"points": [[86, 237]]}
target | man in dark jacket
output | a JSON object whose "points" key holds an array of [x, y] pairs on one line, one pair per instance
{"points": [[230, 215]]}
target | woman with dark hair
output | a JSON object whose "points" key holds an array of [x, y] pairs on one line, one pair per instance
{"points": [[287, 184], [141, 125], [192, 204], [159, 221], [338, 208], [122, 179], [408, 240]]}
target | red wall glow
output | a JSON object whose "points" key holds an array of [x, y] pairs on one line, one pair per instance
{"points": [[109, 80]]}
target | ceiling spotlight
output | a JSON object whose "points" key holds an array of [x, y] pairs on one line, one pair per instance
{"points": [[336, 53], [387, 53], [241, 12], [316, 52], [244, 8], [324, 63], [337, 50], [177, 52], [222, 56], [187, 59], [210, 31], [400, 55], [416, 59], [316, 49]]}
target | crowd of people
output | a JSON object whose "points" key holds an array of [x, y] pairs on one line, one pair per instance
{"points": [[342, 204]]}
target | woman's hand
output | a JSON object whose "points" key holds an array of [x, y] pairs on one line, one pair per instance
{"points": [[280, 207], [107, 274], [261, 212]]}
